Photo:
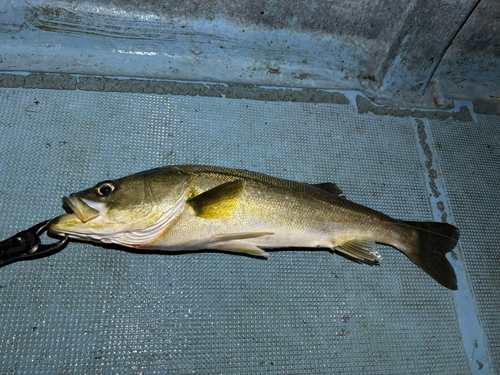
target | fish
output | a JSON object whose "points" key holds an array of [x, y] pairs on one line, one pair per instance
{"points": [[196, 207]]}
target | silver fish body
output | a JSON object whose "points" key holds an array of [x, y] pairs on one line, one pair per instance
{"points": [[200, 207]]}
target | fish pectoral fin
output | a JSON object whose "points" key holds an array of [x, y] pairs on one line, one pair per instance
{"points": [[363, 249], [218, 202], [331, 188], [239, 236], [240, 247]]}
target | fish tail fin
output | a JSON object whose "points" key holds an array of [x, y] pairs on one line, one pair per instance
{"points": [[426, 244]]}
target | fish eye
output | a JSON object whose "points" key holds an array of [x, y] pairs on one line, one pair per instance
{"points": [[105, 188]]}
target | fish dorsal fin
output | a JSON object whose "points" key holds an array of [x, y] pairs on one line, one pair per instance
{"points": [[218, 202], [239, 246], [363, 249], [331, 188]]}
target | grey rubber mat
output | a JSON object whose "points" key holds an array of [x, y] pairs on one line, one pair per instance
{"points": [[90, 309], [469, 156]]}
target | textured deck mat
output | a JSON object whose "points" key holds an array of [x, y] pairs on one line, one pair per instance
{"points": [[97, 310], [469, 156]]}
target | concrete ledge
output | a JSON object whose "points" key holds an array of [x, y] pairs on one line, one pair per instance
{"points": [[366, 106], [234, 91], [163, 87]]}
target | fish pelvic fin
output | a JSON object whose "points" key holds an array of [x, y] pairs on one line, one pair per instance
{"points": [[239, 236], [426, 244], [235, 243], [239, 246], [360, 249]]}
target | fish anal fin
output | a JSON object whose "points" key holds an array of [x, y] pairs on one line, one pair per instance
{"points": [[363, 249], [218, 202], [239, 246]]}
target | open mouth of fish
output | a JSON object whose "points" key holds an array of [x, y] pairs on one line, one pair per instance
{"points": [[81, 209]]}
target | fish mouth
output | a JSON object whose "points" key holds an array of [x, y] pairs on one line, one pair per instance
{"points": [[82, 210]]}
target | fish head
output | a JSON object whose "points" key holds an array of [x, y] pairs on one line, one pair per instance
{"points": [[114, 210]]}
